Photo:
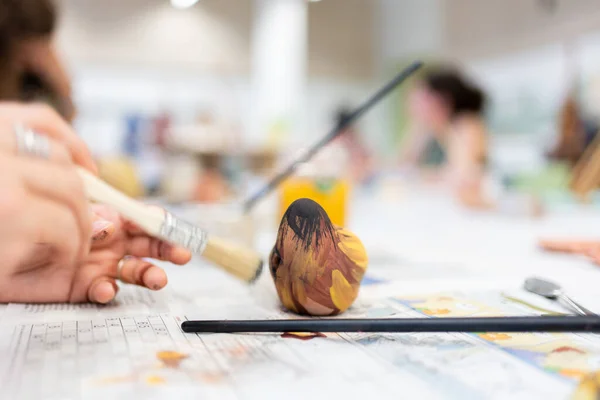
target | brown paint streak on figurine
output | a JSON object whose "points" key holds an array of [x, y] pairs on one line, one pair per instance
{"points": [[317, 267]]}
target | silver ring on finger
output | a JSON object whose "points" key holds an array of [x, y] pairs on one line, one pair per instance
{"points": [[30, 143]]}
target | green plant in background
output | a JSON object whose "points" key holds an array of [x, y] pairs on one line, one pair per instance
{"points": [[550, 184], [553, 178]]}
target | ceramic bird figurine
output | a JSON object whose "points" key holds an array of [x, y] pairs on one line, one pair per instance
{"points": [[588, 387], [317, 267]]}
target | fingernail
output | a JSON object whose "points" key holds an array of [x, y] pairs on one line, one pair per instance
{"points": [[100, 230]]}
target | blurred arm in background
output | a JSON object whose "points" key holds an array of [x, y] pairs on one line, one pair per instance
{"points": [[362, 166], [468, 156], [423, 146]]}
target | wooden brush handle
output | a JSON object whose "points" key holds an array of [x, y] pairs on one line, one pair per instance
{"points": [[242, 262], [150, 219]]}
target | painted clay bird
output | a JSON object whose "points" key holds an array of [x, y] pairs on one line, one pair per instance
{"points": [[317, 267], [588, 388]]}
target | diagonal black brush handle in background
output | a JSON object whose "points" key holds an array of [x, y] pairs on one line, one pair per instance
{"points": [[274, 182]]}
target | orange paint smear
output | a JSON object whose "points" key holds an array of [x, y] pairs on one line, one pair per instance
{"points": [[171, 359]]}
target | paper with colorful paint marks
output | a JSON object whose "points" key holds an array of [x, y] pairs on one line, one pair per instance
{"points": [[83, 352]]}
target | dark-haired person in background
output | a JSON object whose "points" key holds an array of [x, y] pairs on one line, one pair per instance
{"points": [[30, 68], [449, 134]]}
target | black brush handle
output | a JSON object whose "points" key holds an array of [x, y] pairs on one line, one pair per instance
{"points": [[274, 182], [487, 324]]}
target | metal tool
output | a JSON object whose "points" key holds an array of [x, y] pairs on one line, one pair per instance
{"points": [[552, 291]]}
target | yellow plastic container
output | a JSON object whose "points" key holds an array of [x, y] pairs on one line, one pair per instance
{"points": [[331, 193], [322, 180]]}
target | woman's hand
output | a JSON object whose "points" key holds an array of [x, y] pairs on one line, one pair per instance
{"points": [[54, 247], [586, 248], [93, 279], [46, 221], [67, 148], [117, 254]]}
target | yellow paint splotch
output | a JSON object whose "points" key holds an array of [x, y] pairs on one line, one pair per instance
{"points": [[154, 380], [353, 248], [170, 358], [342, 293]]}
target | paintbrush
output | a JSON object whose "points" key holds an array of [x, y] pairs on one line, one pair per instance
{"points": [[337, 130], [242, 262], [467, 325]]}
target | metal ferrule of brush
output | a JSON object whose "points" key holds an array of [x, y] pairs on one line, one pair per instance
{"points": [[182, 233]]}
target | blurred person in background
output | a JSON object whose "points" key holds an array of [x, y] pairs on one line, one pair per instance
{"points": [[30, 67], [575, 133], [361, 166], [449, 134], [575, 136]]}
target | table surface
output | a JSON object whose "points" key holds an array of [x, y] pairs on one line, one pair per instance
{"points": [[428, 258]]}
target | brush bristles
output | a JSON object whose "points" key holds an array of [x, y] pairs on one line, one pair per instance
{"points": [[242, 262]]}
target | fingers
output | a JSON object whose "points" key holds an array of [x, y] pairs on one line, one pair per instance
{"points": [[58, 152], [96, 282], [140, 272], [106, 213], [102, 290], [62, 185], [52, 224], [133, 229], [44, 120], [106, 226], [568, 246], [593, 253], [101, 230], [145, 246], [560, 246], [587, 248]]}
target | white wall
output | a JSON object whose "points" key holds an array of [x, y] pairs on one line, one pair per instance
{"points": [[408, 28], [490, 28], [104, 96], [210, 38], [144, 56]]}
